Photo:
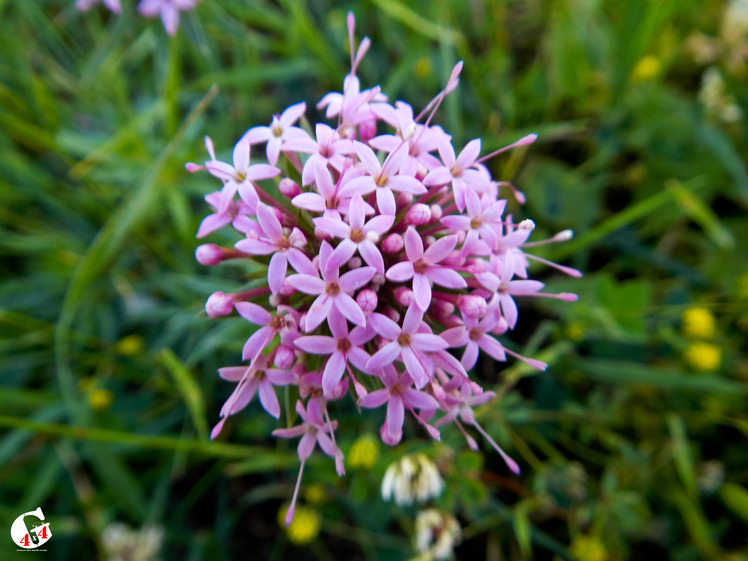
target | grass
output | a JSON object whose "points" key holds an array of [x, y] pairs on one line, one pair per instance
{"points": [[631, 449]]}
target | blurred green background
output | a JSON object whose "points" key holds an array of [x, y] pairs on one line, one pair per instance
{"points": [[633, 443]]}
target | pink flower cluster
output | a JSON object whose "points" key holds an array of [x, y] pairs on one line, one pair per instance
{"points": [[168, 10], [383, 252]]}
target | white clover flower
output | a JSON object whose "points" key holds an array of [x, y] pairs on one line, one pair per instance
{"points": [[437, 533], [412, 478], [122, 543]]}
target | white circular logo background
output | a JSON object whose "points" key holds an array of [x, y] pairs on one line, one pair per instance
{"points": [[28, 531]]}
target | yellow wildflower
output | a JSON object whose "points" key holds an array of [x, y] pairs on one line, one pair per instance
{"points": [[588, 548], [698, 323], [130, 345], [315, 493], [648, 67], [100, 399], [305, 525], [364, 452], [704, 357]]}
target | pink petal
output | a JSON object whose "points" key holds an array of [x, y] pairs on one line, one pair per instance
{"points": [[427, 342], [307, 284], [371, 255], [448, 278], [470, 356], [368, 158], [384, 356], [355, 279], [492, 347], [468, 155], [233, 373], [241, 155], [374, 399], [318, 311], [385, 326], [413, 244], [253, 313], [422, 291], [395, 417], [414, 368], [269, 222], [334, 370], [292, 114], [406, 184], [277, 271], [268, 399], [400, 272], [300, 262], [438, 176], [386, 201], [349, 308], [257, 342], [317, 344], [333, 226], [440, 249], [306, 445], [309, 201], [419, 400]]}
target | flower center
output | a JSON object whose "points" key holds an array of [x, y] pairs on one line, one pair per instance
{"points": [[404, 339], [475, 334], [357, 236], [344, 345], [476, 223], [332, 289], [420, 266]]}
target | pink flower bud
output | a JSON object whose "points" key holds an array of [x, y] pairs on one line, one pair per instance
{"points": [[393, 243], [367, 130], [436, 213], [392, 313], [418, 214], [454, 259], [367, 299], [192, 167], [209, 254], [472, 306], [284, 357], [443, 308], [476, 266], [219, 304], [289, 187], [501, 327], [429, 240], [355, 263], [404, 296], [403, 199]]}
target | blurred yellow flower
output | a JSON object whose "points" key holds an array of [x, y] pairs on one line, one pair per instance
{"points": [[422, 67], [698, 323], [648, 67], [315, 493], [587, 548], [701, 356], [130, 345], [305, 525], [100, 399], [364, 452]]}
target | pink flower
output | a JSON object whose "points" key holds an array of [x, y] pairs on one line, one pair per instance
{"points": [[168, 10], [459, 172], [407, 343], [383, 178], [284, 248], [280, 131], [113, 5], [312, 431], [357, 235], [343, 347], [251, 379], [332, 289], [422, 266], [399, 396]]}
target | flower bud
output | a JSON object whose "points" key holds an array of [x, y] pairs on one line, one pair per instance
{"points": [[367, 300], [454, 259], [403, 199], [209, 254], [284, 357], [219, 304], [404, 296], [472, 306], [392, 313], [354, 263], [436, 213], [367, 129], [393, 243], [443, 308], [418, 215], [193, 167], [289, 187]]}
